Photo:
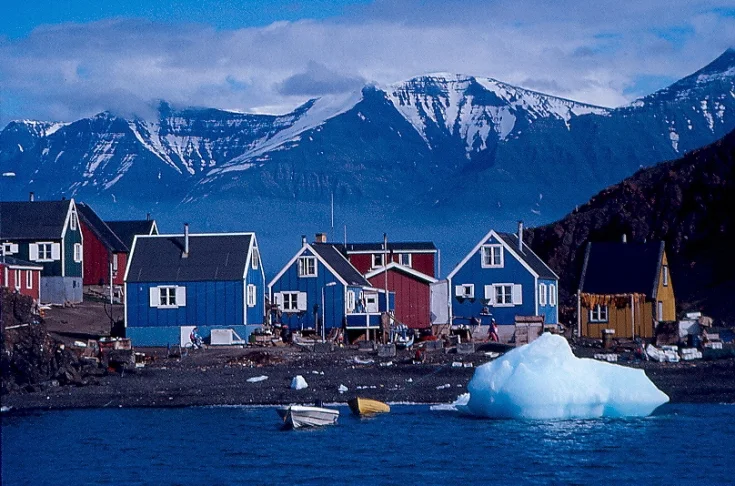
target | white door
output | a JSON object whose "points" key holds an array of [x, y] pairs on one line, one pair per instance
{"points": [[371, 303]]}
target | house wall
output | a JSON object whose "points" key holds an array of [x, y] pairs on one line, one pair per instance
{"points": [[621, 320], [256, 276], [60, 290], [96, 259], [122, 263], [333, 296], [50, 269], [512, 272], [665, 293], [207, 304], [7, 279], [72, 268], [412, 297], [423, 262], [548, 310]]}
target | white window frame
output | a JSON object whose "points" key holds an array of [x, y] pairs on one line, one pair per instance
{"points": [[115, 261], [500, 297], [29, 279], [17, 279], [666, 275], [290, 301], [465, 291], [304, 270], [552, 294], [659, 310], [252, 295], [10, 248], [541, 294], [350, 301], [376, 257], [73, 222], [405, 259], [167, 297], [600, 313], [492, 250], [42, 254], [78, 253], [256, 258]]}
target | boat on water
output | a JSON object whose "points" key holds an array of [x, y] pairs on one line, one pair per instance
{"points": [[297, 416], [367, 406]]}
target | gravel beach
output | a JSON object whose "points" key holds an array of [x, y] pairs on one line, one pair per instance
{"points": [[219, 376]]}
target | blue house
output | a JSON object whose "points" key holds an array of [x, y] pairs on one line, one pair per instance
{"points": [[320, 285], [502, 278], [176, 282]]}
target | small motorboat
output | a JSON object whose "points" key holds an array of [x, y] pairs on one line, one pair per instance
{"points": [[367, 406], [297, 416]]}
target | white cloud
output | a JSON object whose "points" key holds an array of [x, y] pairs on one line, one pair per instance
{"points": [[591, 52]]}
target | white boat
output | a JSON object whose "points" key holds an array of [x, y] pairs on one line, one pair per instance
{"points": [[297, 416]]}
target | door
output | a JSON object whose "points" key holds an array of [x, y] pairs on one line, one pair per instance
{"points": [[371, 303]]}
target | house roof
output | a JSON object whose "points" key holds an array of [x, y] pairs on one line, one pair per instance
{"points": [[17, 262], [621, 268], [336, 260], [528, 256], [100, 229], [127, 230], [40, 220], [218, 257], [406, 246], [401, 268]]}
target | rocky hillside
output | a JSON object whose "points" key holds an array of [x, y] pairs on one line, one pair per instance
{"points": [[689, 203]]}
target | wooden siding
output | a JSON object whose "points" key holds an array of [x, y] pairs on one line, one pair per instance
{"points": [[412, 297], [422, 262], [620, 319], [256, 314], [96, 259], [665, 293], [7, 279]]}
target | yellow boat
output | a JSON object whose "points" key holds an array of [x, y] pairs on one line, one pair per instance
{"points": [[367, 406]]}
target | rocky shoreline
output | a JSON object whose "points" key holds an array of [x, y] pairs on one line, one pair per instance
{"points": [[218, 376]]}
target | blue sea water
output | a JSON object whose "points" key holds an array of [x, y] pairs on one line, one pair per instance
{"points": [[679, 444]]}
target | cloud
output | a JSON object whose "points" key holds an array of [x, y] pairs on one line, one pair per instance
{"points": [[318, 80], [595, 52]]}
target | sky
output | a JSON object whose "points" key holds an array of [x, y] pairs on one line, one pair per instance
{"points": [[64, 60]]}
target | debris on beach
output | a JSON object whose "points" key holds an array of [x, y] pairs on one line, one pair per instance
{"points": [[445, 386], [360, 361], [342, 389], [256, 379], [299, 383]]}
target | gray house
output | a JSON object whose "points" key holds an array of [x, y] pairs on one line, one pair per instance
{"points": [[47, 233]]}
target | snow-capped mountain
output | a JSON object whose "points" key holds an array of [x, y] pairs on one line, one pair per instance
{"points": [[436, 142]]}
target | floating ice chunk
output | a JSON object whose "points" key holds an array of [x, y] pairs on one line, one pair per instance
{"points": [[544, 380], [299, 383], [459, 405], [256, 379]]}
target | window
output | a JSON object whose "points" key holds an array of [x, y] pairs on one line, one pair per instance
{"points": [[29, 279], [256, 259], [598, 313], [167, 296], [404, 259], [252, 295], [492, 256], [73, 222], [378, 260], [666, 275], [503, 294], [77, 252], [465, 291], [115, 262], [307, 266], [10, 248], [541, 294], [17, 280], [45, 252], [350, 301], [293, 301], [659, 311], [552, 294]]}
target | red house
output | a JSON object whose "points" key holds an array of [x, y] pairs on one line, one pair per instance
{"points": [[413, 294], [418, 255], [102, 247], [21, 276]]}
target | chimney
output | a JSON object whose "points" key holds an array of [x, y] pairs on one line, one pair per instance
{"points": [[186, 241], [147, 216], [320, 238], [520, 236], [625, 238], [31, 197]]}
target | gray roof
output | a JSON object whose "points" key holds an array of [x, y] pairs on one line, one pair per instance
{"points": [[339, 264], [100, 229], [17, 262], [528, 256], [211, 257], [29, 220], [621, 268], [127, 230], [392, 246]]}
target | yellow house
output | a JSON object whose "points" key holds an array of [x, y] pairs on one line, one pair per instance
{"points": [[625, 287]]}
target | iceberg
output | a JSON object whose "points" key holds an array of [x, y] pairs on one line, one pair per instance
{"points": [[544, 380]]}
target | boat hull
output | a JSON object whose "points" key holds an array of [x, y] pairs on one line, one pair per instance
{"points": [[298, 416], [367, 406]]}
